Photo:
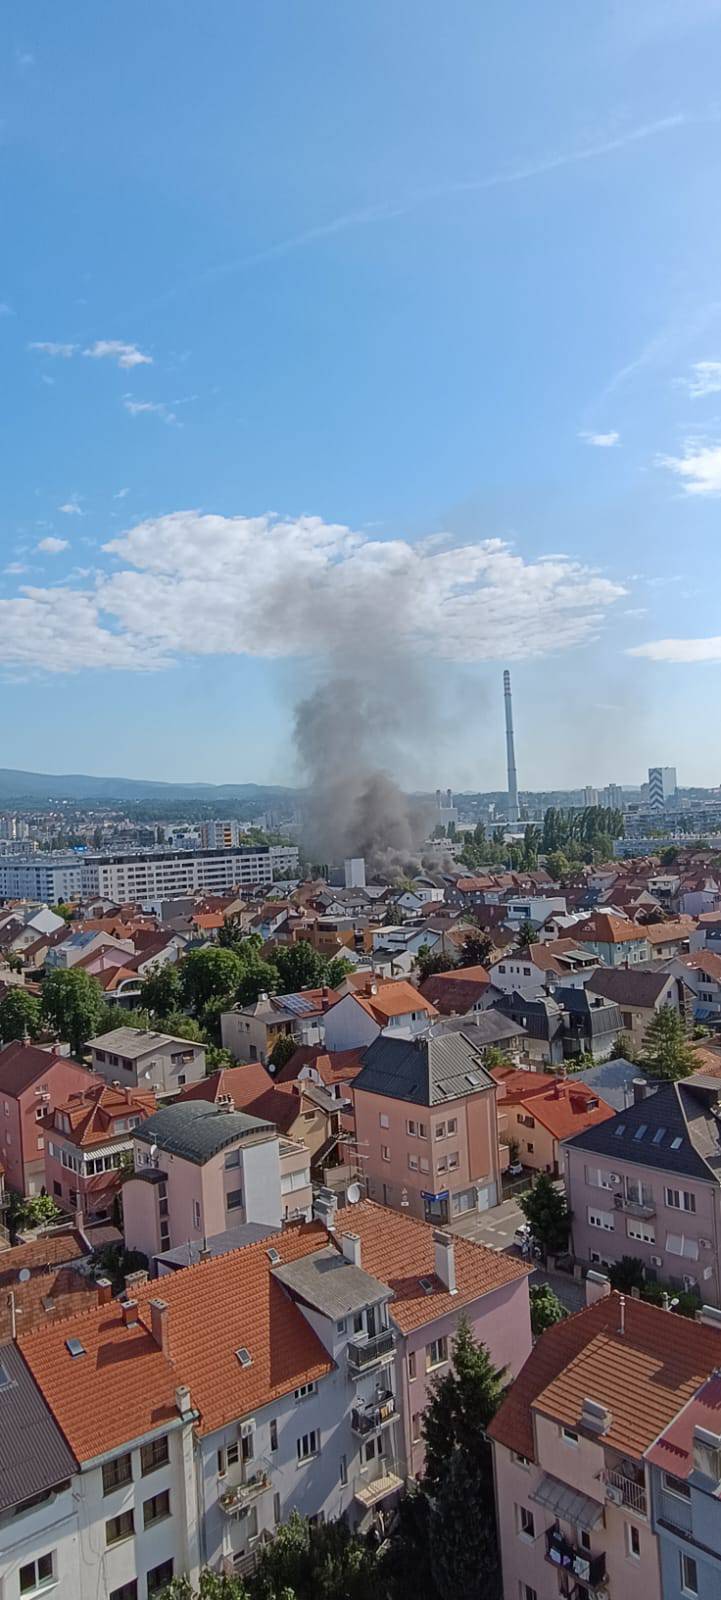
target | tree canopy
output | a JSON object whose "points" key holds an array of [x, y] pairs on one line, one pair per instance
{"points": [[546, 1210], [72, 1005], [667, 1052], [20, 1016]]}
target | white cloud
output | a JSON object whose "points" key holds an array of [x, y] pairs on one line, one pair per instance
{"points": [[190, 584], [680, 651], [121, 494], [699, 468], [126, 355], [71, 508], [14, 568], [49, 347], [155, 408], [602, 441], [52, 546], [705, 379]]}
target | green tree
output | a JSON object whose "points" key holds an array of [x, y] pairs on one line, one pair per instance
{"points": [[463, 1539], [476, 950], [207, 974], [667, 1052], [525, 934], [546, 1308], [428, 963], [256, 977], [72, 1005], [181, 1026], [63, 909], [557, 865], [211, 1586], [19, 1015], [283, 1049], [299, 966], [462, 1402], [39, 1211], [624, 1049], [336, 970], [494, 1056], [161, 990], [546, 1209], [320, 1562]]}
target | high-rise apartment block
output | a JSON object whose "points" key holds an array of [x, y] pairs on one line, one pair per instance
{"points": [[661, 786]]}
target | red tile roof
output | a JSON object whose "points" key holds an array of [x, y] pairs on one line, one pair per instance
{"points": [[244, 1084], [667, 932], [392, 999], [603, 928], [92, 1113], [643, 1376], [455, 992], [22, 1065], [124, 1386], [332, 1066], [703, 961]]}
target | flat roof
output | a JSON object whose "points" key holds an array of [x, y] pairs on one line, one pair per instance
{"points": [[136, 1042], [331, 1284]]}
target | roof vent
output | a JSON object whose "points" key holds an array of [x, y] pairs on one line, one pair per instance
{"points": [[75, 1347], [427, 1285], [594, 1417], [273, 1256], [244, 1356]]}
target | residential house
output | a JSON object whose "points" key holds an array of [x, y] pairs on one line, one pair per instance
{"points": [[647, 1183], [86, 942], [137, 1059], [536, 966], [425, 1112], [591, 1024], [639, 994], [359, 1017], [458, 992], [668, 939], [541, 1018], [86, 1138], [305, 1113], [199, 1169], [32, 1082], [570, 1442], [334, 1070], [701, 972], [38, 1511], [684, 1467], [486, 1030], [251, 1032], [614, 940], [614, 1081], [537, 1110], [42, 1279]]}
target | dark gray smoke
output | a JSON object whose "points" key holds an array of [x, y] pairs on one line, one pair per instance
{"points": [[348, 732]]}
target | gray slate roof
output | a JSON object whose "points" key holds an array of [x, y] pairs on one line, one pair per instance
{"points": [[482, 1028], [629, 986], [646, 1133], [136, 1042], [612, 1081], [426, 1071], [186, 1255], [33, 1454], [330, 1284], [198, 1129]]}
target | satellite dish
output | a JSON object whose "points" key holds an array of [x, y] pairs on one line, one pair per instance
{"points": [[153, 1149], [24, 1275], [353, 1194]]}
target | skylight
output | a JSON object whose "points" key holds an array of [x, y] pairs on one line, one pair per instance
{"points": [[472, 1078], [273, 1256], [641, 1130], [426, 1284], [676, 1143], [621, 1129], [5, 1379], [659, 1135], [75, 1347], [244, 1356]]}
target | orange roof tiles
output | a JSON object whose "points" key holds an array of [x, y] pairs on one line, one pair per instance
{"points": [[666, 932], [385, 1000], [643, 1375], [124, 1386], [603, 928], [705, 961], [243, 1084], [93, 1112], [565, 1108], [400, 1251], [332, 1066]]}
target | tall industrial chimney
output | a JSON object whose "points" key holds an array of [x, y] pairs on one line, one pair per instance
{"points": [[513, 812]]}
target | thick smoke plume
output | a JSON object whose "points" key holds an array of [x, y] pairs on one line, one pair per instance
{"points": [[347, 732]]}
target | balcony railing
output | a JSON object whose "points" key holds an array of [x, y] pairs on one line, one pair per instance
{"points": [[368, 1419], [240, 1492], [365, 1353], [574, 1561], [633, 1493], [634, 1208], [381, 1478]]}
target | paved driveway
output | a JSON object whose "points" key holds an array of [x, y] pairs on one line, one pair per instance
{"points": [[497, 1227]]}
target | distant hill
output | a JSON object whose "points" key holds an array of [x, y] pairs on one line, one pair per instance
{"points": [[22, 787]]}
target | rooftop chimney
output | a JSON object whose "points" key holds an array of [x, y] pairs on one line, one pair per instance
{"points": [[351, 1247], [595, 1418], [598, 1287], [130, 1313], [159, 1325], [105, 1291], [445, 1260], [640, 1090], [135, 1280], [182, 1400]]}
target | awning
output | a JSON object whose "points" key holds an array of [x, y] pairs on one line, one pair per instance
{"points": [[568, 1504]]}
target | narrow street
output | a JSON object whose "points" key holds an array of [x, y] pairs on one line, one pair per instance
{"points": [[496, 1228]]}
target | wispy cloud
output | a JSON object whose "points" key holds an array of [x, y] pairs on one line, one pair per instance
{"points": [[126, 355], [50, 347], [52, 546], [705, 379], [155, 408], [699, 468], [121, 493], [72, 507], [602, 441], [14, 568], [680, 652]]}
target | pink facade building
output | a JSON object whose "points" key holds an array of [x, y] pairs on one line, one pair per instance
{"points": [[569, 1441], [32, 1083], [86, 1139], [425, 1112]]}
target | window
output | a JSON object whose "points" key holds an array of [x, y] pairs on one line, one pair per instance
{"points": [[411, 1127], [304, 1390], [679, 1244], [521, 1461], [308, 1445], [232, 1158], [640, 1230], [452, 1125], [425, 1164], [453, 1161], [422, 1131], [127, 1591], [680, 1199], [196, 1213], [276, 1509], [117, 1528], [436, 1353], [569, 1436], [440, 1130], [37, 1574], [343, 1474], [383, 1120], [633, 1541], [156, 1508], [234, 1199], [525, 1525], [417, 1431], [160, 1577], [57, 1187], [689, 1574], [273, 1434], [117, 1472], [385, 1152], [412, 1163], [358, 1322], [232, 1454], [154, 1455], [598, 1178], [412, 1364], [676, 1486], [601, 1219], [442, 1164]]}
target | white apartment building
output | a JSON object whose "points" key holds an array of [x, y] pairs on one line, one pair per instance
{"points": [[144, 875], [221, 834]]}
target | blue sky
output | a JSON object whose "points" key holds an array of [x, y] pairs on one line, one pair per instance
{"points": [[381, 339]]}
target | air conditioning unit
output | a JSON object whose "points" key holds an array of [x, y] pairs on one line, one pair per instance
{"points": [[615, 1177], [657, 1261], [614, 1494], [705, 1244]]}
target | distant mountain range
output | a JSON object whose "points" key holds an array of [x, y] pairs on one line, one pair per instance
{"points": [[21, 787]]}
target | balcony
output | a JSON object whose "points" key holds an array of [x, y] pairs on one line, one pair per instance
{"points": [[369, 1418], [634, 1208], [575, 1562], [381, 1478], [622, 1490], [243, 1485], [372, 1352]]}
